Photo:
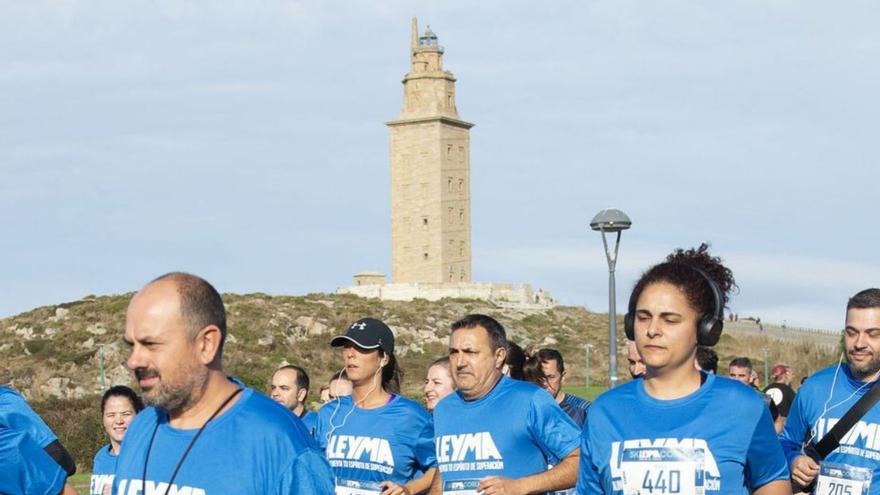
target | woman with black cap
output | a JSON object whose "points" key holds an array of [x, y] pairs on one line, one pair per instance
{"points": [[376, 441], [680, 430]]}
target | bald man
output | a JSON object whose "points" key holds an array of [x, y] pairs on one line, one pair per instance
{"points": [[204, 432]]}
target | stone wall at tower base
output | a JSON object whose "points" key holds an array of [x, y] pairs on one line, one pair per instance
{"points": [[502, 295]]}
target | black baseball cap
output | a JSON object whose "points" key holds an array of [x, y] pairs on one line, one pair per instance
{"points": [[367, 333]]}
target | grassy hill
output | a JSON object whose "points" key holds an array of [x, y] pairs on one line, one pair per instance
{"points": [[54, 354]]}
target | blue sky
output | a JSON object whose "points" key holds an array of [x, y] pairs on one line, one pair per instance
{"points": [[244, 141]]}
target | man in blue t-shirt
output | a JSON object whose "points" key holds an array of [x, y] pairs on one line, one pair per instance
{"points": [[827, 395], [16, 416], [290, 388], [205, 433], [553, 371], [496, 434]]}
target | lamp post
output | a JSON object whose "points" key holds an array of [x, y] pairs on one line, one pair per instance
{"points": [[611, 220]]}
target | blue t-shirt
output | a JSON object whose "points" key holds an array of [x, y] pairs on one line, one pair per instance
{"points": [[255, 447], [310, 420], [860, 447], [576, 408], [25, 468], [718, 439], [16, 414], [515, 430], [393, 442], [103, 468]]}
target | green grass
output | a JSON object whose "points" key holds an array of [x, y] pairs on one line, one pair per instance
{"points": [[80, 481], [589, 393]]}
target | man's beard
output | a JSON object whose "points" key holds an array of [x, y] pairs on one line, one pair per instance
{"points": [[864, 370], [174, 397]]}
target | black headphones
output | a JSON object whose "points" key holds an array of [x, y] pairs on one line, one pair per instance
{"points": [[708, 328]]}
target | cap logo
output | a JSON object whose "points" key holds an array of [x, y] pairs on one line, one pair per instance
{"points": [[359, 326]]}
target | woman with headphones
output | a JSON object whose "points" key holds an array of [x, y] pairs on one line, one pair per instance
{"points": [[680, 430], [376, 441]]}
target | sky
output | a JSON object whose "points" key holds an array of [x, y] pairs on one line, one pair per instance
{"points": [[244, 141]]}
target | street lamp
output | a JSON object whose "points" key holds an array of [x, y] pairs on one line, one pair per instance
{"points": [[611, 220]]}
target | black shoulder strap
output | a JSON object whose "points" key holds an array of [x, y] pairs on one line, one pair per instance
{"points": [[832, 439]]}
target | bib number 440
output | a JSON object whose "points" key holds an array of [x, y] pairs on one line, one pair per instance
{"points": [[662, 481]]}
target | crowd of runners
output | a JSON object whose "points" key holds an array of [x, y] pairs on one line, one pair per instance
{"points": [[496, 419]]}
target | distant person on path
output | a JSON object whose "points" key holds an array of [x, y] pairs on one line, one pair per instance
{"points": [[205, 432], [829, 393], [680, 430], [546, 369], [32, 460], [634, 361], [707, 359], [119, 405], [290, 388], [376, 440], [496, 435], [438, 382]]}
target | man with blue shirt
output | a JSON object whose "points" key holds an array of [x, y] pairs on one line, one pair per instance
{"points": [[496, 435], [290, 388], [553, 368], [205, 433], [827, 395]]}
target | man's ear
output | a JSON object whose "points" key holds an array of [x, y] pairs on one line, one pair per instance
{"points": [[208, 344], [562, 376], [500, 356], [301, 395]]}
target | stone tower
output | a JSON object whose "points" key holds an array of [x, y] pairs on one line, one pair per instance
{"points": [[430, 174]]}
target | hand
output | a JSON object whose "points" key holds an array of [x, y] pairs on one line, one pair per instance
{"points": [[499, 485], [804, 470], [392, 488]]}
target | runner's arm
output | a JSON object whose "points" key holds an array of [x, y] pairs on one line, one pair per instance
{"points": [[422, 483], [437, 484], [560, 477]]}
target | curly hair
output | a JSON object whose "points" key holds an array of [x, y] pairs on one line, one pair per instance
{"points": [[679, 270]]}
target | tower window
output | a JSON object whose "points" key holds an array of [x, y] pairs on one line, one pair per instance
{"points": [[425, 222], [461, 249], [448, 150], [449, 184], [450, 216], [460, 185], [461, 216]]}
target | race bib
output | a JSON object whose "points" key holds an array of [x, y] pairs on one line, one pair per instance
{"points": [[461, 487], [842, 479], [356, 487], [662, 471]]}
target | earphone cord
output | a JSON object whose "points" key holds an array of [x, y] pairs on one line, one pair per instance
{"points": [[354, 406], [825, 408], [188, 447]]}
